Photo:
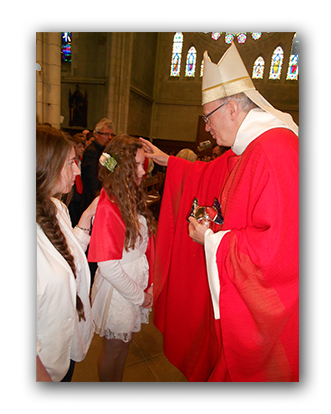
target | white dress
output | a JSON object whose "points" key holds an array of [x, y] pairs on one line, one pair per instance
{"points": [[118, 292]]}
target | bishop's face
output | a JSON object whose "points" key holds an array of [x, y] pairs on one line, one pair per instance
{"points": [[219, 123]]}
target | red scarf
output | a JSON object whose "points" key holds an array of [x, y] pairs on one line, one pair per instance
{"points": [[78, 182]]}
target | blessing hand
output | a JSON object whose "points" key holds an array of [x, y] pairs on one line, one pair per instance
{"points": [[153, 152]]}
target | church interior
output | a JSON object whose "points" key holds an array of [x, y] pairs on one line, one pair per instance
{"points": [[149, 85]]}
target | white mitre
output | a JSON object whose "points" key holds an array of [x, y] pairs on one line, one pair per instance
{"points": [[229, 77]]}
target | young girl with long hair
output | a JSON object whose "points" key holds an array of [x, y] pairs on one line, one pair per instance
{"points": [[64, 321], [122, 242]]}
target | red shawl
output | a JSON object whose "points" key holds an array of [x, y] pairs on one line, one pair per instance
{"points": [[108, 234], [78, 182]]}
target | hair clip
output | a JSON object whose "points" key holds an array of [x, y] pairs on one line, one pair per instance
{"points": [[108, 161]]}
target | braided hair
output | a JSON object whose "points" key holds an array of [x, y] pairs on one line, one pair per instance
{"points": [[52, 149]]}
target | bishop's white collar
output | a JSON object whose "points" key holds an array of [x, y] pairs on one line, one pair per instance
{"points": [[256, 123]]}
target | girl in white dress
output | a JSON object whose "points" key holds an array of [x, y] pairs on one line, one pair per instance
{"points": [[122, 243]]}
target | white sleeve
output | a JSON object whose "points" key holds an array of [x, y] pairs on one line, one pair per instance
{"points": [[82, 237], [212, 241], [38, 346], [114, 273]]}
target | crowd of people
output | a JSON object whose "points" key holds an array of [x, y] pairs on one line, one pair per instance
{"points": [[225, 294]]}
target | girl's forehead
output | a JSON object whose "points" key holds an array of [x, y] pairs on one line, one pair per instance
{"points": [[140, 155]]}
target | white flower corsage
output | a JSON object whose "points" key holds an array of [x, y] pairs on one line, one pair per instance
{"points": [[108, 161]]}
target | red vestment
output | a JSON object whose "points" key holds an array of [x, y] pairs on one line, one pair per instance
{"points": [[257, 335], [182, 306]]}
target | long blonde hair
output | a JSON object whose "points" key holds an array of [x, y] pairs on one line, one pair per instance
{"points": [[52, 149], [121, 185]]}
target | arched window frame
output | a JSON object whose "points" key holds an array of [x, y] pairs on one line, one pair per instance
{"points": [[176, 57], [229, 37], [241, 37], [256, 36], [66, 39], [293, 66], [191, 60], [276, 63], [258, 68], [215, 35]]}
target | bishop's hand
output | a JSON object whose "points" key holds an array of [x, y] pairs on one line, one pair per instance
{"points": [[197, 231], [153, 152]]}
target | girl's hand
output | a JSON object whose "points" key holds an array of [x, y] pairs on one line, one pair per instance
{"points": [[89, 213], [150, 290], [148, 302], [91, 209]]}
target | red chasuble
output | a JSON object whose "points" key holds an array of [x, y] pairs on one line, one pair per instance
{"points": [[108, 234], [182, 304], [258, 261], [257, 335]]}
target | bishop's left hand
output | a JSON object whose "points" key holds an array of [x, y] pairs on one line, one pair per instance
{"points": [[197, 231]]}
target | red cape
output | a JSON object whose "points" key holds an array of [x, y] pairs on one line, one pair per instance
{"points": [[182, 303], [257, 336], [108, 234]]}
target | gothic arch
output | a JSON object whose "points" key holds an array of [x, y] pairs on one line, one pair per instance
{"points": [[191, 61]]}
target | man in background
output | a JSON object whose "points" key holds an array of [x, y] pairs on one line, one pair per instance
{"points": [[103, 133]]}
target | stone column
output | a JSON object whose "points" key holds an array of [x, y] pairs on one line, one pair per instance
{"points": [[48, 82], [119, 77], [39, 78]]}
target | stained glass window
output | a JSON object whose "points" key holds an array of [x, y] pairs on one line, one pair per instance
{"points": [[241, 37], [177, 46], [216, 36], [191, 62], [293, 67], [295, 45], [256, 36], [66, 38], [258, 68], [229, 38], [276, 63]]}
